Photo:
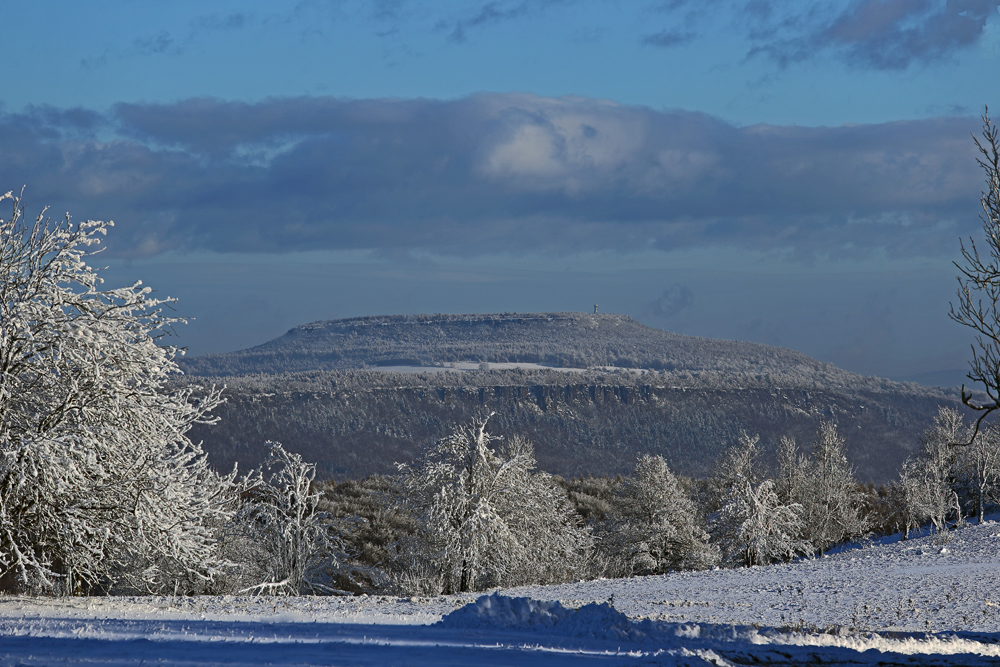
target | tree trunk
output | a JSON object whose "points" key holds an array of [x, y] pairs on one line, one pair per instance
{"points": [[463, 585], [979, 504]]}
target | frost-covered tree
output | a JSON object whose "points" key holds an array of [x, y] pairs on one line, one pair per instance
{"points": [[653, 527], [282, 544], [928, 479], [486, 517], [823, 484], [100, 487], [979, 466], [793, 470], [739, 462], [762, 530], [753, 527]]}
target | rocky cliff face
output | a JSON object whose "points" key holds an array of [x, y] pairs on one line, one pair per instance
{"points": [[354, 424]]}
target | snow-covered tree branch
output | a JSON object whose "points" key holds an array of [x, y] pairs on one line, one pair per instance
{"points": [[285, 545], [99, 485], [754, 527], [823, 485], [654, 525], [928, 479], [486, 517]]}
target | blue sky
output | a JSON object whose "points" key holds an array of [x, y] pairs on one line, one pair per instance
{"points": [[792, 173]]}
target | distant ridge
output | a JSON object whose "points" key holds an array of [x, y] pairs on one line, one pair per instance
{"points": [[953, 377], [560, 340]]}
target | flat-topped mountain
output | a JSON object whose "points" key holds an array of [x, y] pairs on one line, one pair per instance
{"points": [[561, 340], [332, 391]]}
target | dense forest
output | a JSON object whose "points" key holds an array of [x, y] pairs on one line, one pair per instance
{"points": [[358, 423]]}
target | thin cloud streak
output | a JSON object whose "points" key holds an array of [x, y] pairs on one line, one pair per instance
{"points": [[864, 34], [666, 39], [892, 34], [496, 12]]}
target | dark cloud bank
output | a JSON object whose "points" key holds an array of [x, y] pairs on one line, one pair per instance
{"points": [[491, 173]]}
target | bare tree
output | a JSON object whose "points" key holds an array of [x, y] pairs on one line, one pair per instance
{"points": [[980, 465], [762, 529], [928, 479], [793, 470], [754, 527], [979, 285], [282, 543], [830, 497], [739, 462]]}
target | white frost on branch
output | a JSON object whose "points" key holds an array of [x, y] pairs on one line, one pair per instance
{"points": [[653, 527], [487, 518], [754, 527], [100, 487], [823, 484], [928, 479], [283, 544]]}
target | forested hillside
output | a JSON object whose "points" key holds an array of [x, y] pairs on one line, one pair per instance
{"points": [[616, 390], [355, 423]]}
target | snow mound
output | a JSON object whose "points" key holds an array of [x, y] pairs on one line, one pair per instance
{"points": [[500, 611], [597, 621]]}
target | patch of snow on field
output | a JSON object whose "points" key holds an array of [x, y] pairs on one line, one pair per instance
{"points": [[601, 621], [918, 645]]}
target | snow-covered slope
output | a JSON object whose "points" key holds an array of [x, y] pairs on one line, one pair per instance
{"points": [[917, 585], [573, 340], [923, 601]]}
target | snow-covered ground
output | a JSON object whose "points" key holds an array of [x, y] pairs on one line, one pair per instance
{"points": [[915, 602], [466, 366]]}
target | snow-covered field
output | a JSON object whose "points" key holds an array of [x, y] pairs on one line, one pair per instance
{"points": [[915, 602]]}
